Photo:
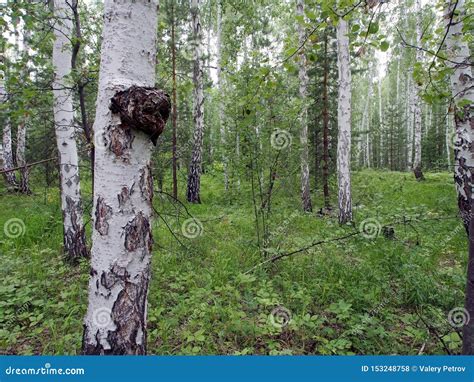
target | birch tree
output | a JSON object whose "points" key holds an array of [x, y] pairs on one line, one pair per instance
{"points": [[222, 127], [21, 158], [74, 233], [174, 116], [326, 124], [195, 168], [129, 110], [417, 100], [7, 152], [344, 123], [409, 119], [24, 186], [303, 90], [463, 94]]}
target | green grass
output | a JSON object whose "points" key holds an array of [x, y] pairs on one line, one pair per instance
{"points": [[354, 296]]}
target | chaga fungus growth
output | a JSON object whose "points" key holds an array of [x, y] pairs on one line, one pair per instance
{"points": [[142, 108]]}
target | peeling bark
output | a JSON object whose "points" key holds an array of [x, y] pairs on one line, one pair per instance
{"points": [[130, 116]]}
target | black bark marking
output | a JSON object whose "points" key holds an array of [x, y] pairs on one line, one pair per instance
{"points": [[146, 183], [102, 214], [124, 196], [75, 237], [138, 234], [115, 275], [121, 142], [128, 314], [418, 173], [142, 108]]}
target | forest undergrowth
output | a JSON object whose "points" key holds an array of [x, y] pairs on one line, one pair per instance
{"points": [[391, 288]]}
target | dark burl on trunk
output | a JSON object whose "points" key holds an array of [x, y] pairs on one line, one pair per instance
{"points": [[142, 108]]}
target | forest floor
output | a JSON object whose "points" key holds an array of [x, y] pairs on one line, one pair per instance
{"points": [[367, 294]]}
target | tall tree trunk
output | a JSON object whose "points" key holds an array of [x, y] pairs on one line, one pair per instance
{"points": [[81, 86], [74, 233], [326, 124], [365, 124], [448, 140], [22, 126], [21, 158], [417, 100], [381, 124], [410, 120], [220, 106], [7, 153], [175, 106], [195, 168], [462, 85], [344, 123], [303, 79], [208, 66], [129, 110]]}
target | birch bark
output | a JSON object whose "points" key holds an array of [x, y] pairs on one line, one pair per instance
{"points": [[417, 100], [220, 106], [115, 322], [303, 90], [344, 123], [195, 168], [463, 89], [74, 233]]}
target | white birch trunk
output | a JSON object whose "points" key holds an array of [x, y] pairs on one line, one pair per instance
{"points": [[462, 89], [7, 151], [382, 151], [115, 322], [410, 119], [195, 168], [208, 64], [74, 234], [462, 85], [7, 156], [22, 127], [365, 125], [303, 90], [21, 158], [417, 100], [222, 128], [344, 123], [448, 136]]}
